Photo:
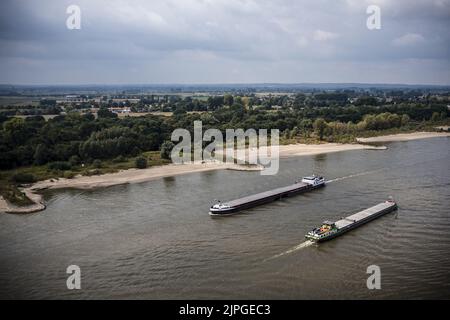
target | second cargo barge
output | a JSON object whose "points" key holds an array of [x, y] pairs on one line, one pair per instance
{"points": [[233, 206], [330, 230]]}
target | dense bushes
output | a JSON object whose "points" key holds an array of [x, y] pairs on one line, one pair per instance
{"points": [[22, 177], [97, 164], [75, 139], [74, 160], [59, 165], [141, 163], [166, 149], [381, 121]]}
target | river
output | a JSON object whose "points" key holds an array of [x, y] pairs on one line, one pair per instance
{"points": [[155, 240]]}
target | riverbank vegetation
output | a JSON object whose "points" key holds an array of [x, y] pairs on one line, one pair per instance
{"points": [[35, 148]]}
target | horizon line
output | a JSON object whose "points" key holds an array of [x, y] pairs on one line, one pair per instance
{"points": [[224, 84]]}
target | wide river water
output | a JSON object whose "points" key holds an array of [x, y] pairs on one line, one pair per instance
{"points": [[155, 240]]}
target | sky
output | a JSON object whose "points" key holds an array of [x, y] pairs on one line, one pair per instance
{"points": [[224, 41]]}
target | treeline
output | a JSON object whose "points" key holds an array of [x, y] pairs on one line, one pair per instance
{"points": [[75, 138], [343, 99], [336, 130], [29, 110]]}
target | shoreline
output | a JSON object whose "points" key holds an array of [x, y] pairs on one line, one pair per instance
{"points": [[143, 175], [404, 137], [37, 206], [112, 179]]}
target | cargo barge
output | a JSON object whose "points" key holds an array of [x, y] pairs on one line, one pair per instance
{"points": [[330, 230], [233, 206]]}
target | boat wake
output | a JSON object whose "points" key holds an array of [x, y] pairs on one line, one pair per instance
{"points": [[293, 249], [354, 175], [382, 169]]}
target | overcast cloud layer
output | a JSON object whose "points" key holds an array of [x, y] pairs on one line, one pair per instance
{"points": [[224, 41]]}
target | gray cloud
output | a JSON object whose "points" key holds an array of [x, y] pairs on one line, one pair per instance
{"points": [[207, 41]]}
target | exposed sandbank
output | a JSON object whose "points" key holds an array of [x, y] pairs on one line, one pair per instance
{"points": [[314, 149], [142, 175], [404, 137], [38, 205]]}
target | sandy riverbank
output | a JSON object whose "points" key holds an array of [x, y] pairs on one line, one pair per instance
{"points": [[136, 176], [111, 179], [293, 150], [404, 137], [142, 175], [296, 150], [36, 207]]}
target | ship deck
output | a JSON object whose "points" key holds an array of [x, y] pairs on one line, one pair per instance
{"points": [[268, 194], [363, 214]]}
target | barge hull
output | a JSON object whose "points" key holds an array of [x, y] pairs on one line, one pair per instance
{"points": [[264, 197], [361, 218]]}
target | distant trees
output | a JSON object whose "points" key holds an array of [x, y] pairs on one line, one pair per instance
{"points": [[305, 125], [366, 100], [48, 102], [319, 127], [17, 131], [22, 177], [228, 99], [97, 163], [381, 121], [332, 97], [179, 111], [60, 165], [41, 155], [332, 129], [76, 139], [109, 143], [105, 113], [405, 120], [436, 116], [215, 102], [74, 160]]}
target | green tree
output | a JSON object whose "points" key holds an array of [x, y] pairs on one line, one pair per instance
{"points": [[141, 163], [405, 120], [435, 116], [228, 99], [97, 164], [294, 132], [319, 127], [41, 154], [305, 127], [60, 165], [74, 160], [22, 177], [17, 131], [166, 149], [105, 113]]}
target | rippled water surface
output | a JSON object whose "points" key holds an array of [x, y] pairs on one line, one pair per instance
{"points": [[155, 240]]}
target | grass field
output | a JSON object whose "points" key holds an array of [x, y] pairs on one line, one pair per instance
{"points": [[18, 101]]}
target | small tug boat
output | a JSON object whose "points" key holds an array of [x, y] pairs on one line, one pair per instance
{"points": [[233, 206], [329, 230]]}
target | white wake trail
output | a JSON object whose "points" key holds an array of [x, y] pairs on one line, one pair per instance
{"points": [[354, 175], [308, 242], [293, 249]]}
